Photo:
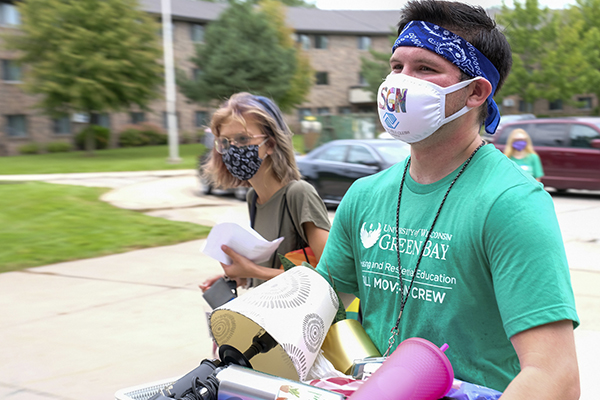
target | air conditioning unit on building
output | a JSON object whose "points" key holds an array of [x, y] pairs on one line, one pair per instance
{"points": [[508, 103], [82, 118]]}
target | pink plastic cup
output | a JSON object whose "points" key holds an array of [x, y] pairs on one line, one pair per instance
{"points": [[416, 370]]}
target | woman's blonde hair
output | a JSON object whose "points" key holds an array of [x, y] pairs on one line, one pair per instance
{"points": [[281, 163], [508, 149]]}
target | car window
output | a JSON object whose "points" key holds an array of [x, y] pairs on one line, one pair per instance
{"points": [[361, 155], [582, 135], [505, 132], [333, 153], [393, 152], [549, 135]]}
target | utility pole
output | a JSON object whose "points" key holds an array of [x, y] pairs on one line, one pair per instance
{"points": [[170, 92]]}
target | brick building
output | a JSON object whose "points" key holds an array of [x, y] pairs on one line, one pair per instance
{"points": [[335, 41]]}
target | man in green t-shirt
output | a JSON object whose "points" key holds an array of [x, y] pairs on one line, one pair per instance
{"points": [[456, 245]]}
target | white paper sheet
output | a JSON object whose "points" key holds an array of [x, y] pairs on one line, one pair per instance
{"points": [[243, 240]]}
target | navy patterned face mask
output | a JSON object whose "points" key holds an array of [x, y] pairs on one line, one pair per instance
{"points": [[242, 162]]}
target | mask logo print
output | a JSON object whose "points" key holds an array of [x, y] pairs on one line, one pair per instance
{"points": [[370, 237], [390, 120]]}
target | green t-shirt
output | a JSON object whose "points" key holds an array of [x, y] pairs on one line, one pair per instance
{"points": [[494, 266], [272, 221], [531, 164]]}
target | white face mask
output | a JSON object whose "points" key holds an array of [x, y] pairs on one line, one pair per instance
{"points": [[411, 109]]}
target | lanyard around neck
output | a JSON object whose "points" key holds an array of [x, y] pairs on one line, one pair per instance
{"points": [[403, 297]]}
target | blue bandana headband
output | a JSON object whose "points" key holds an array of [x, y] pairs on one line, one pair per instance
{"points": [[459, 52]]}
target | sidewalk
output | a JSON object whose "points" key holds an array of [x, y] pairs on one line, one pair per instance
{"points": [[85, 329]]}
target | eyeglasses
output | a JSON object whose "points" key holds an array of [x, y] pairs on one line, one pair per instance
{"points": [[222, 144]]}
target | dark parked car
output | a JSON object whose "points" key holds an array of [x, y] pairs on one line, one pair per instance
{"points": [[207, 188], [568, 147], [334, 166]]}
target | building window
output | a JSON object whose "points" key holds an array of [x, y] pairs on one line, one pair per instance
{"points": [[201, 119], [137, 117], [11, 71], [103, 120], [362, 81], [364, 43], [525, 107], [344, 110], [304, 112], [9, 15], [304, 41], [16, 125], [555, 105], [61, 126], [320, 42], [585, 103], [323, 111], [322, 78], [197, 32]]}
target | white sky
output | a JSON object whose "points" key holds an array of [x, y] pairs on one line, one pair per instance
{"points": [[397, 4]]}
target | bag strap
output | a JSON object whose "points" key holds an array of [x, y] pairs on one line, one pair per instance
{"points": [[253, 210], [299, 238]]}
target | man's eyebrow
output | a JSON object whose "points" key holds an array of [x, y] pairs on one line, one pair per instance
{"points": [[433, 61]]}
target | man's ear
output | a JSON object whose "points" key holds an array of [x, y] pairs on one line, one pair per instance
{"points": [[479, 92]]}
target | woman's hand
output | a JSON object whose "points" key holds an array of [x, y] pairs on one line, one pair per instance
{"points": [[241, 267], [209, 282]]}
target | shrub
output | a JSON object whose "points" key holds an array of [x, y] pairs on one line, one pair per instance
{"points": [[29, 148], [101, 134], [58, 147], [132, 138], [144, 134]]}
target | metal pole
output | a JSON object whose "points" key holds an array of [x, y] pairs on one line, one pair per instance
{"points": [[170, 93]]}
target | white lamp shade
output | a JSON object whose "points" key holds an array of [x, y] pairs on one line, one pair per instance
{"points": [[296, 308]]}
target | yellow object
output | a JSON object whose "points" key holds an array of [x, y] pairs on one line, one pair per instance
{"points": [[345, 342], [353, 307]]}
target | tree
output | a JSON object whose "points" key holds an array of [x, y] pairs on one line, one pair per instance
{"points": [[289, 3], [88, 56], [550, 59], [303, 78], [243, 51], [528, 29], [586, 16], [376, 68]]}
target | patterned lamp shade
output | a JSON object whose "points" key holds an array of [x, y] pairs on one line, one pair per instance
{"points": [[296, 308]]}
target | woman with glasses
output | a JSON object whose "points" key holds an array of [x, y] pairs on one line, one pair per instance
{"points": [[253, 147]]}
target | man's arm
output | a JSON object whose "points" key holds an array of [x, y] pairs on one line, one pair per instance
{"points": [[548, 361]]}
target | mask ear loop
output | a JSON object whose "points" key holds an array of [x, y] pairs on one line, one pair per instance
{"points": [[452, 89]]}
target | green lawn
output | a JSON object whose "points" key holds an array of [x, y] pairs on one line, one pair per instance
{"points": [[43, 223], [149, 158]]}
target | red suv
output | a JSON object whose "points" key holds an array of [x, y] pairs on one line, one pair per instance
{"points": [[568, 147]]}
